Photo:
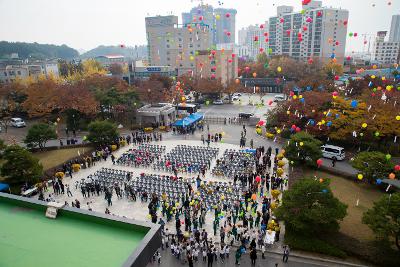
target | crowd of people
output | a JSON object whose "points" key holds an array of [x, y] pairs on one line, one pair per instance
{"points": [[142, 156], [212, 219], [187, 159]]}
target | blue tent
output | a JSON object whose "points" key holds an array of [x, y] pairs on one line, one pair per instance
{"points": [[4, 187], [189, 120]]}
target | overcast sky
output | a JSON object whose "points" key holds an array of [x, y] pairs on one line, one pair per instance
{"points": [[85, 24]]}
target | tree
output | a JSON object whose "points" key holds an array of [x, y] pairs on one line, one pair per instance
{"points": [[303, 148], [384, 218], [39, 134], [102, 132], [332, 69], [20, 165], [310, 208], [233, 87], [43, 97], [373, 165]]}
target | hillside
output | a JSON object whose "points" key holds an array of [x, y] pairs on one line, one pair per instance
{"points": [[138, 52], [36, 51]]}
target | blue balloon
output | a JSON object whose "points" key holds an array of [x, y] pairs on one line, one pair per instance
{"points": [[378, 181], [312, 122], [333, 55], [354, 103], [324, 191], [370, 84], [337, 116], [302, 100], [329, 114], [309, 88], [329, 124]]}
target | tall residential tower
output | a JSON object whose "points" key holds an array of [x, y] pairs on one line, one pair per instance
{"points": [[315, 32]]}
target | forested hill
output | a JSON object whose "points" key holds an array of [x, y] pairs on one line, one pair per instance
{"points": [[129, 52], [37, 51]]}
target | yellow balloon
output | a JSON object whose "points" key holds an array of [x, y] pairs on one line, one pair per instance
{"points": [[300, 96], [301, 143], [279, 69], [218, 17], [279, 131], [360, 176], [373, 76], [364, 125], [398, 117], [295, 97]]}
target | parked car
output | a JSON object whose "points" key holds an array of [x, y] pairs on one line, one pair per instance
{"points": [[235, 98], [279, 98], [333, 152], [218, 102], [237, 94], [17, 122], [246, 115]]}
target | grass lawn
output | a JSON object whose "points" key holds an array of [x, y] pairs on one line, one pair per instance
{"points": [[348, 192], [52, 158]]}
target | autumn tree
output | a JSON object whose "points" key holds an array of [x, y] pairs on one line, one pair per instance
{"points": [[43, 97], [332, 69], [233, 86]]}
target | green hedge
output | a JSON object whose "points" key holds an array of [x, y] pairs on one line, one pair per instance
{"points": [[296, 241]]}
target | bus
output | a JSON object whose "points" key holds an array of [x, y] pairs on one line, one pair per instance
{"points": [[184, 109]]}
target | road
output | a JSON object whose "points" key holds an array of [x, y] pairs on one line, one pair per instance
{"points": [[167, 260]]}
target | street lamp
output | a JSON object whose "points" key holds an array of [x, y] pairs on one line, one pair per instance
{"points": [[148, 95]]}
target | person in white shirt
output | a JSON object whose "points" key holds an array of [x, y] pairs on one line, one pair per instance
{"points": [[204, 255], [227, 251]]}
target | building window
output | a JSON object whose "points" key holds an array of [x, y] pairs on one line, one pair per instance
{"points": [[5, 73]]}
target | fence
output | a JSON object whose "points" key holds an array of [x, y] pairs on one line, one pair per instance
{"points": [[228, 120]]}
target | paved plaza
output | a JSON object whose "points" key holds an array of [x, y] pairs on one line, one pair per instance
{"points": [[136, 209]]}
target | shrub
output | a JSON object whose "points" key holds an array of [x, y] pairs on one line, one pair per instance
{"points": [[296, 241], [76, 167]]}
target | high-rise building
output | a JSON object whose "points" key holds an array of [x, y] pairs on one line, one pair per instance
{"points": [[255, 38], [203, 14], [218, 64], [315, 32], [221, 22], [225, 25], [386, 53], [174, 45], [395, 29]]}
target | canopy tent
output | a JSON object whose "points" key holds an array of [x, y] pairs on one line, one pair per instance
{"points": [[189, 120], [4, 187]]}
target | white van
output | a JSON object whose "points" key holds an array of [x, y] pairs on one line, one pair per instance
{"points": [[332, 152]]}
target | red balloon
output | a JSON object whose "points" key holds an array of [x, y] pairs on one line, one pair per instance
{"points": [[294, 126], [258, 179], [319, 162], [305, 2], [397, 168], [298, 129], [336, 77], [270, 102]]}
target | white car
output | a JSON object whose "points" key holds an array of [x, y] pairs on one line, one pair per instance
{"points": [[333, 152], [17, 122], [218, 102], [235, 98], [279, 98], [237, 94]]}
